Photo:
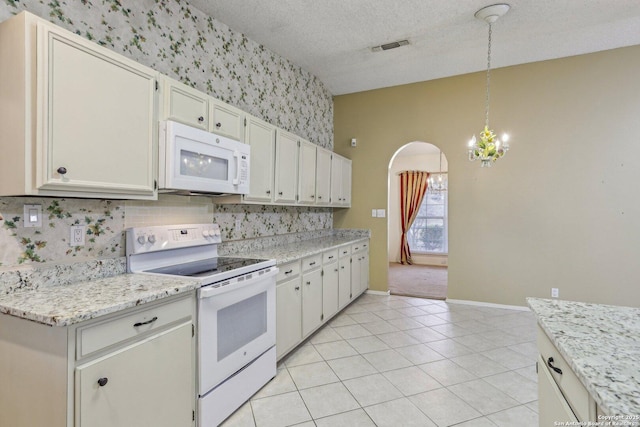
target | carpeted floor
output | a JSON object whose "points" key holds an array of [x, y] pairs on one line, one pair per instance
{"points": [[418, 281]]}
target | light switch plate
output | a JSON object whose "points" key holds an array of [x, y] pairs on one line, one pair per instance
{"points": [[381, 213], [374, 213], [32, 216]]}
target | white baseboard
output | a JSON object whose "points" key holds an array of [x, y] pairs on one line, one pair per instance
{"points": [[488, 304], [372, 292]]}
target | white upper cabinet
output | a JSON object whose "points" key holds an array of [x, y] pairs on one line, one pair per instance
{"points": [[261, 136], [286, 170], [340, 181], [306, 173], [82, 122], [187, 105], [226, 120], [323, 176], [184, 104]]}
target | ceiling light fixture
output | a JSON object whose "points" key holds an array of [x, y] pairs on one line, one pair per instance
{"points": [[489, 148], [437, 183]]}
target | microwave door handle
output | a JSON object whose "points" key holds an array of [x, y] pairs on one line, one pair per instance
{"points": [[236, 155]]}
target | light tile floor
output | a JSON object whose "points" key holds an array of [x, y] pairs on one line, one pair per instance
{"points": [[399, 361]]}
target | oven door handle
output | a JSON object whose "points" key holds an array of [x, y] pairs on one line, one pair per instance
{"points": [[210, 291]]}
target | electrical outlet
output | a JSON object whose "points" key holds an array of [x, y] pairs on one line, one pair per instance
{"points": [[238, 224], [77, 233], [555, 293]]}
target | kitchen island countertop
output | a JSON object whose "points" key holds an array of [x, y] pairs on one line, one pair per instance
{"points": [[602, 345]]}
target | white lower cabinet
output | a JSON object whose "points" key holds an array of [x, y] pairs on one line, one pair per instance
{"points": [[311, 301], [288, 308], [561, 395], [133, 368], [311, 291], [148, 383], [344, 277], [330, 278]]}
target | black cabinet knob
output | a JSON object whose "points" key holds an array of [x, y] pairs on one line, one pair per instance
{"points": [[218, 125], [201, 119], [103, 381], [62, 170]]}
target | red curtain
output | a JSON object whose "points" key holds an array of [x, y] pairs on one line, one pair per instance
{"points": [[413, 186]]}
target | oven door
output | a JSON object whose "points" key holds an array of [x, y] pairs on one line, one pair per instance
{"points": [[235, 327], [198, 161]]}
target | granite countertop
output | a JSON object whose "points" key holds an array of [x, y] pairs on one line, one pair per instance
{"points": [[64, 295], [293, 251], [65, 305], [602, 345]]}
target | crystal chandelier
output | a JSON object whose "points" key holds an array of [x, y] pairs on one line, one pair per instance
{"points": [[437, 183], [489, 148]]}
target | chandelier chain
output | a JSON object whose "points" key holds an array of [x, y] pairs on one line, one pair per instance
{"points": [[486, 116]]}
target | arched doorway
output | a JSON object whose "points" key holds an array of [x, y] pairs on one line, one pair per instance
{"points": [[427, 277]]}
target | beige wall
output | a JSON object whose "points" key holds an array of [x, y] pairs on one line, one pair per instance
{"points": [[429, 162], [562, 209]]}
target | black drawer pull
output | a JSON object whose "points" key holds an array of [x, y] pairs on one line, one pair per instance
{"points": [[135, 325], [288, 272], [103, 382], [297, 288], [312, 263], [331, 257], [550, 364]]}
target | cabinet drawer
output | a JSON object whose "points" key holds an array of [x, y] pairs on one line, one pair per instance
{"points": [[568, 383], [311, 262], [96, 336], [357, 247], [330, 256], [344, 251], [288, 270]]}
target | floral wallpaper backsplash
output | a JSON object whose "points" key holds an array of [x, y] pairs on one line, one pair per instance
{"points": [[106, 221], [182, 42]]}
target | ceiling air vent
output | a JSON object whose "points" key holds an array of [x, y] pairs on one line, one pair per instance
{"points": [[389, 46]]}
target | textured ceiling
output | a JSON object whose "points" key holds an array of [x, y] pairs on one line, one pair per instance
{"points": [[332, 38]]}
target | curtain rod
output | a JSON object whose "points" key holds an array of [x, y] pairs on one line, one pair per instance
{"points": [[434, 173]]}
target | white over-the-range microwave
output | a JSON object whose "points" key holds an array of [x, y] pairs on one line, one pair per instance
{"points": [[196, 161]]}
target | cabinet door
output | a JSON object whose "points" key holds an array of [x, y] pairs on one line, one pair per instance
{"points": [[346, 182], [364, 272], [286, 167], [184, 104], [323, 176], [336, 180], [227, 120], [552, 405], [307, 173], [344, 281], [150, 383], [288, 315], [356, 274], [96, 118], [311, 301], [330, 279], [261, 136]]}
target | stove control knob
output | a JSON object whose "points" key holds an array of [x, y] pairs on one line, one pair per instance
{"points": [[151, 239], [141, 240], [205, 233]]}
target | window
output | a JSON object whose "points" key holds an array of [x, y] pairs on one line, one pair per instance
{"points": [[428, 233]]}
